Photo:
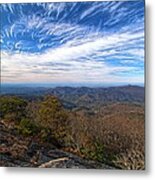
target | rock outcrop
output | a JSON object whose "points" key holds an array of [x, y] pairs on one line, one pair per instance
{"points": [[19, 151]]}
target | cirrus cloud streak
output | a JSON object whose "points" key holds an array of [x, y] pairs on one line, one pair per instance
{"points": [[85, 42]]}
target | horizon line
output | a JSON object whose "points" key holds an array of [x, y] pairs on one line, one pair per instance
{"points": [[53, 85]]}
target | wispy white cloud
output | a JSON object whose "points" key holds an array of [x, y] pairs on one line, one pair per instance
{"points": [[36, 46], [86, 60]]}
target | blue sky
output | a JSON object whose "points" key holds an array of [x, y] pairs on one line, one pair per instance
{"points": [[83, 42]]}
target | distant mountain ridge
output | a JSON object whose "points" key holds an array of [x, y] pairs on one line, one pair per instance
{"points": [[82, 96]]}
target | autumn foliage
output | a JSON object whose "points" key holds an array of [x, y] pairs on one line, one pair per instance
{"points": [[113, 133]]}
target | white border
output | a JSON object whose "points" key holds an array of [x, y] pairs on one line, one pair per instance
{"points": [[45, 174]]}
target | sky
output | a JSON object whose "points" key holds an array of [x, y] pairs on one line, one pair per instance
{"points": [[73, 42]]}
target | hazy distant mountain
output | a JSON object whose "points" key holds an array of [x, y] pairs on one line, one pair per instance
{"points": [[82, 96]]}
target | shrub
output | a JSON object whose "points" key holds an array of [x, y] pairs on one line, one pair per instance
{"points": [[12, 107], [27, 127], [111, 136], [51, 117]]}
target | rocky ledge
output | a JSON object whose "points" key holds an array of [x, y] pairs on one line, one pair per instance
{"points": [[19, 151]]}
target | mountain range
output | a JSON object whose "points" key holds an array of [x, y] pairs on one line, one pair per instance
{"points": [[81, 96]]}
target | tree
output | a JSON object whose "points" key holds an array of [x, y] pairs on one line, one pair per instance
{"points": [[12, 107], [50, 115]]}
